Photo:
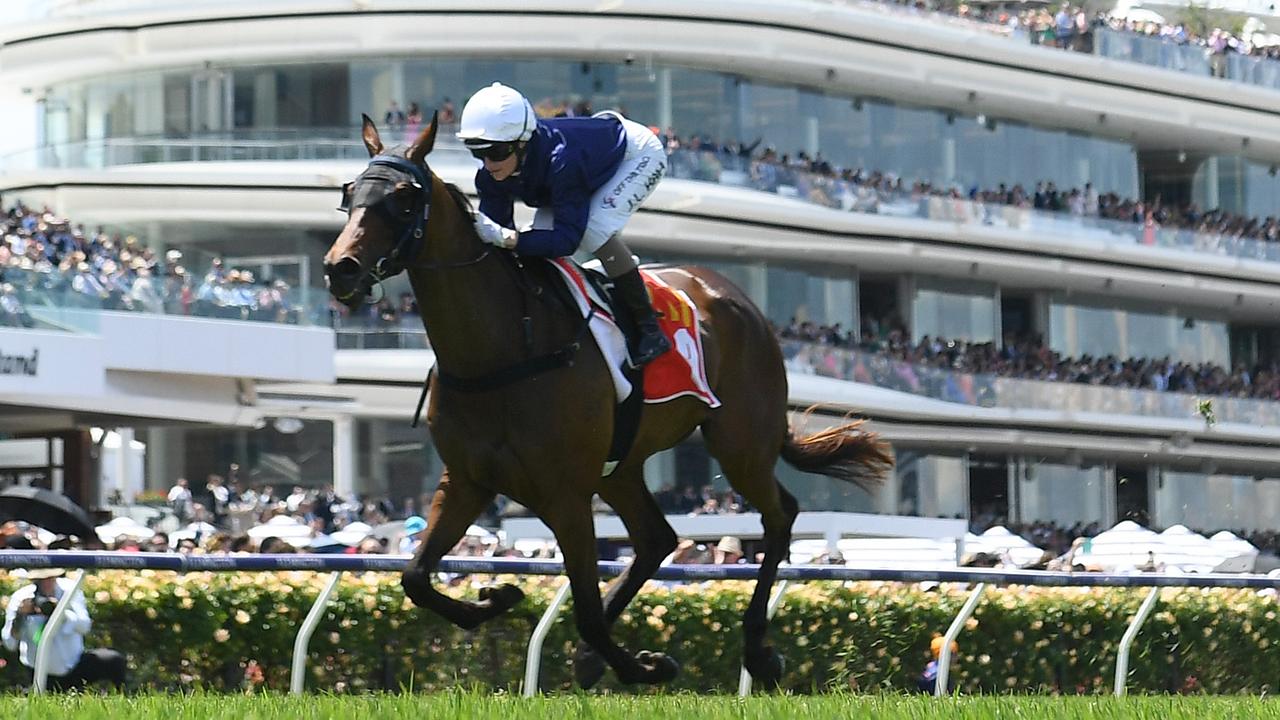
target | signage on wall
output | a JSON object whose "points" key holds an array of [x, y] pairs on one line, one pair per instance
{"points": [[20, 364], [35, 364]]}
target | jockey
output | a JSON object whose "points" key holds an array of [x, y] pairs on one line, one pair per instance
{"points": [[584, 175]]}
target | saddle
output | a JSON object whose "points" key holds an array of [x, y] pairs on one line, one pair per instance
{"points": [[586, 292]]}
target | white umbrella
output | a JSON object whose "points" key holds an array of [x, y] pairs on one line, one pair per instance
{"points": [[123, 526], [283, 527], [904, 553], [1124, 546], [478, 532], [1139, 15], [1188, 550], [353, 533], [999, 540], [1238, 555]]}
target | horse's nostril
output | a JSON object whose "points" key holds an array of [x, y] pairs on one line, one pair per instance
{"points": [[346, 268]]}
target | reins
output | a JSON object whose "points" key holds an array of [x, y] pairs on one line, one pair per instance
{"points": [[404, 256]]}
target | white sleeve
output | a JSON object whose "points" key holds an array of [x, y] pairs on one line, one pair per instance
{"points": [[77, 618], [489, 230], [9, 634]]}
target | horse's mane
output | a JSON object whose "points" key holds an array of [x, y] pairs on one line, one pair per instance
{"points": [[462, 201]]}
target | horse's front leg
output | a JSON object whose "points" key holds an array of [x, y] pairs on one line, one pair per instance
{"points": [[653, 539], [570, 519], [455, 506]]}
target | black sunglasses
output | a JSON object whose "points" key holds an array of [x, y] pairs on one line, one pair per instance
{"points": [[497, 152]]}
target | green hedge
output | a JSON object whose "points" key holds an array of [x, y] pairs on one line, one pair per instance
{"points": [[236, 630]]}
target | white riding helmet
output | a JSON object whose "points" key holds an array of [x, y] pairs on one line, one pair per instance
{"points": [[497, 113]]}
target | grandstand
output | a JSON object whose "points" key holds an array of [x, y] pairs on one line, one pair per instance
{"points": [[1049, 278]]}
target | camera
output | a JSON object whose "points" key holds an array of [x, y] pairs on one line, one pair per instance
{"points": [[45, 604]]}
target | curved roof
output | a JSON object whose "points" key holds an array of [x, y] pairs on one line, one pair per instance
{"points": [[846, 48]]}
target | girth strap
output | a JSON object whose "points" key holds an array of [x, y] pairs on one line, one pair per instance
{"points": [[510, 374]]}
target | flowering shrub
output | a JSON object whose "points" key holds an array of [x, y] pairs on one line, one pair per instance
{"points": [[235, 631]]}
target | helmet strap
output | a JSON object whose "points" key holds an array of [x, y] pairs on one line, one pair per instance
{"points": [[521, 147]]}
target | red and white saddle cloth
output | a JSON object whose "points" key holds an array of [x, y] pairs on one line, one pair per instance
{"points": [[675, 374]]}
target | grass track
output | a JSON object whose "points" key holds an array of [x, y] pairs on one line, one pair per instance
{"points": [[468, 706]]}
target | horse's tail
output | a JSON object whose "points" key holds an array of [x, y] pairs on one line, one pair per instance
{"points": [[845, 452]]}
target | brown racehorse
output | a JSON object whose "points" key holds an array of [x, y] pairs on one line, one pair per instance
{"points": [[543, 436]]}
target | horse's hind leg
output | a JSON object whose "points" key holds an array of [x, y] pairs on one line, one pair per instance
{"points": [[750, 472], [572, 524], [653, 539], [455, 506]]}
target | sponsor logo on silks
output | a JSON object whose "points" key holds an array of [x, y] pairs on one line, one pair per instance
{"points": [[611, 199]]}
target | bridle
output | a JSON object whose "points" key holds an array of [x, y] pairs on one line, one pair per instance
{"points": [[411, 221]]}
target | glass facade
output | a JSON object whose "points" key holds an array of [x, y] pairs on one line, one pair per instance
{"points": [[397, 461], [1237, 186], [1064, 494], [1125, 329], [1211, 502], [328, 98], [931, 485], [954, 310]]}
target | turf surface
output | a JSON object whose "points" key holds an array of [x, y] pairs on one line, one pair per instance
{"points": [[466, 706]]}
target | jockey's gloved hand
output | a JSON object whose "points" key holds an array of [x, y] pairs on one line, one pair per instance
{"points": [[494, 234]]}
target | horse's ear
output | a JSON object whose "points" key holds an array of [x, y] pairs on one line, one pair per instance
{"points": [[369, 133], [425, 141]]}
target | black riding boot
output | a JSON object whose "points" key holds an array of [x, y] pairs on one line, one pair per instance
{"points": [[650, 343]]}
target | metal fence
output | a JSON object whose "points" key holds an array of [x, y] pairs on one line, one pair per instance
{"points": [[338, 564]]}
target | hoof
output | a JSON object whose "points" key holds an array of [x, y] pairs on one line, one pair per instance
{"points": [[588, 666], [766, 668], [657, 667], [501, 598]]}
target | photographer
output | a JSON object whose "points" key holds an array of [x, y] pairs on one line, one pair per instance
{"points": [[70, 666]]}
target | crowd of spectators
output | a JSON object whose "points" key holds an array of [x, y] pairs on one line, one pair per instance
{"points": [[44, 255], [364, 526], [1072, 27], [225, 511], [815, 179], [1029, 358]]}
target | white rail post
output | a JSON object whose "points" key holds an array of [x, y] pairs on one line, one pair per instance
{"points": [[744, 677], [1122, 655], [40, 676], [533, 660], [944, 659], [298, 678]]}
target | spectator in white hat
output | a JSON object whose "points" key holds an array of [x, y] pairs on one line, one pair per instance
{"points": [[70, 665]]}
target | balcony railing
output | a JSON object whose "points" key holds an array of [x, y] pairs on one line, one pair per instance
{"points": [[326, 143], [51, 300], [951, 386], [1192, 59], [1053, 229], [1016, 393]]}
